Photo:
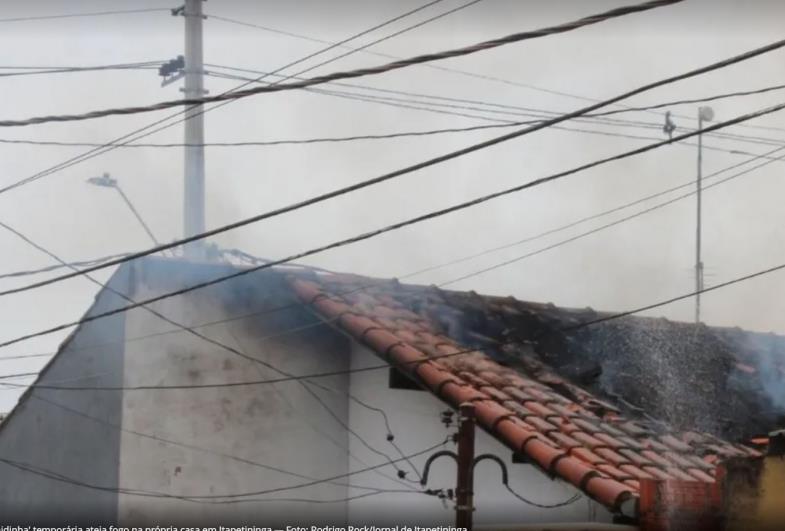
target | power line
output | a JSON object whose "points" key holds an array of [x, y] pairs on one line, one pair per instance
{"points": [[350, 74], [23, 356], [595, 230], [487, 251], [609, 317], [360, 237], [456, 70], [598, 117], [219, 498], [231, 499], [94, 261], [71, 69], [572, 499], [418, 105], [443, 158], [54, 267], [196, 110], [214, 342], [79, 15], [675, 299], [599, 215], [188, 446], [495, 249], [18, 375]]}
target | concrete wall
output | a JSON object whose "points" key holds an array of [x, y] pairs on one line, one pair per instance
{"points": [[414, 418], [233, 435], [66, 433]]}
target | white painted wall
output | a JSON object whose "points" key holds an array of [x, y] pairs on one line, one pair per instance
{"points": [[279, 425], [414, 418]]}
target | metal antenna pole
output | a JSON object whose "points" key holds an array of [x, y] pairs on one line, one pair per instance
{"points": [[698, 263], [464, 492], [194, 196], [704, 113]]}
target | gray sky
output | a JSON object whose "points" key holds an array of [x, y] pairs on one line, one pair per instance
{"points": [[636, 263]]}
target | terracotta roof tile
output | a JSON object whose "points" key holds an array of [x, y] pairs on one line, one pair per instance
{"points": [[676, 444], [636, 472], [678, 460], [614, 472], [635, 457], [565, 429], [655, 458], [539, 408], [541, 424], [565, 426], [587, 455], [565, 441], [611, 456], [588, 440], [608, 440]]}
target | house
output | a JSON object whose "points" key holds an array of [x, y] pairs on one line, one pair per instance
{"points": [[297, 396]]}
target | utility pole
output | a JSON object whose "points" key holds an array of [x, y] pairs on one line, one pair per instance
{"points": [[464, 491], [707, 114], [194, 194]]}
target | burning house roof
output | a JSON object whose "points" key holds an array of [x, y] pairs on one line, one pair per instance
{"points": [[602, 407]]}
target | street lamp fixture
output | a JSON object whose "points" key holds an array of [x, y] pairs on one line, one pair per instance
{"points": [[106, 181]]}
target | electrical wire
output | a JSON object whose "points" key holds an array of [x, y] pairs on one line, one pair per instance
{"points": [[553, 246], [24, 356], [350, 74], [196, 110], [71, 69], [54, 267], [512, 341], [568, 501], [443, 158], [219, 498], [429, 107], [465, 73], [401, 473], [18, 375], [153, 494], [187, 446], [451, 69], [79, 15], [563, 242], [211, 341], [359, 237], [592, 231], [596, 117], [518, 242]]}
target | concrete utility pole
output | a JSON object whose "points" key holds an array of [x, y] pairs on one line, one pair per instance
{"points": [[194, 196], [707, 114], [464, 491]]}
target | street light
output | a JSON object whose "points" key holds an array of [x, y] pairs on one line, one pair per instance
{"points": [[704, 114], [107, 181]]}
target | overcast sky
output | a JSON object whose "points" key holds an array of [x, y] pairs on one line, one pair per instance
{"points": [[633, 264]]}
